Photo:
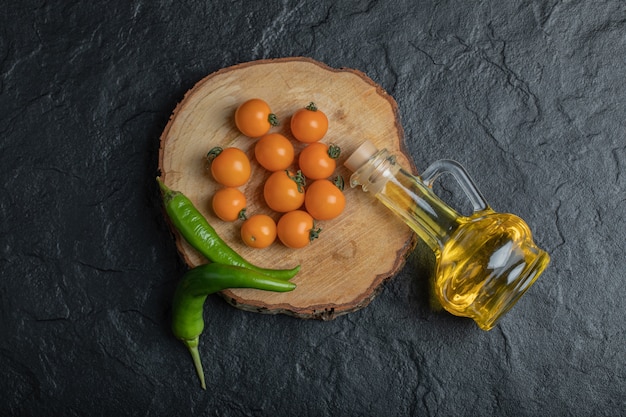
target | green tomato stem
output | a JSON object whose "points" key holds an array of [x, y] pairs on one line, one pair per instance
{"points": [[334, 151], [339, 182], [272, 119], [314, 233], [213, 153], [299, 179]]}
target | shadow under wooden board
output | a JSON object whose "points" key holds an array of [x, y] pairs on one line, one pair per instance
{"points": [[344, 269]]}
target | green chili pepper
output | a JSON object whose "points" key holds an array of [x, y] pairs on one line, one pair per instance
{"points": [[203, 237], [192, 291]]}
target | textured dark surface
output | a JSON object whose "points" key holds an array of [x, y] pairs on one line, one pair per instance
{"points": [[529, 96]]}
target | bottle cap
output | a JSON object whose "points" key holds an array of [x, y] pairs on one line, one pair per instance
{"points": [[360, 156]]}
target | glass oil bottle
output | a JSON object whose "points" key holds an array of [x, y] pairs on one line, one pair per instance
{"points": [[484, 262]]}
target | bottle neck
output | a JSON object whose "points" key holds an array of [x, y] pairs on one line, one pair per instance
{"points": [[408, 197]]}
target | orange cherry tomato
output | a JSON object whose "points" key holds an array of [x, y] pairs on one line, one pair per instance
{"points": [[229, 166], [309, 124], [274, 152], [229, 204], [296, 229], [254, 118], [324, 200], [284, 191], [317, 160], [258, 231]]}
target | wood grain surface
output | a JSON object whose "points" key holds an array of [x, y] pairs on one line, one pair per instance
{"points": [[342, 270]]}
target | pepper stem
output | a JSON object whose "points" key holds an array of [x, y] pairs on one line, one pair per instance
{"points": [[168, 193], [192, 345], [162, 185]]}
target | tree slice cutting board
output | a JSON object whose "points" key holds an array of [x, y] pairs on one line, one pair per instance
{"points": [[343, 270]]}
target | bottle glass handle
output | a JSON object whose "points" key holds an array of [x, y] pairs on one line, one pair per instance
{"points": [[461, 176]]}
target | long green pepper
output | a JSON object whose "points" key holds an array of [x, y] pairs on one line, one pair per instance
{"points": [[192, 291], [202, 236]]}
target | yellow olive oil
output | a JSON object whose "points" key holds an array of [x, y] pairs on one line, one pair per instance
{"points": [[484, 262], [486, 265]]}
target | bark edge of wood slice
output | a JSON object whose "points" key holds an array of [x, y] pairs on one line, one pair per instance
{"points": [[356, 253]]}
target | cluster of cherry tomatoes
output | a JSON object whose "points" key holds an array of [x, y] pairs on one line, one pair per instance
{"points": [[285, 191]]}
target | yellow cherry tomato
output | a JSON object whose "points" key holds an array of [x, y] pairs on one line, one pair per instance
{"points": [[324, 200], [229, 204], [317, 160], [309, 124], [296, 229], [284, 191], [229, 166], [254, 118], [274, 152], [258, 231]]}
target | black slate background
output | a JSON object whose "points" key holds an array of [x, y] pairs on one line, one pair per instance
{"points": [[529, 96]]}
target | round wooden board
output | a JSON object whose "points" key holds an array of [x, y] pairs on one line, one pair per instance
{"points": [[342, 270]]}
